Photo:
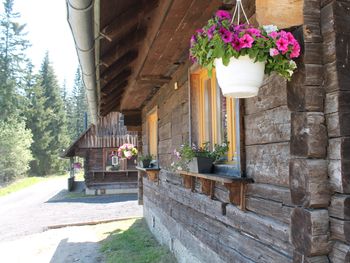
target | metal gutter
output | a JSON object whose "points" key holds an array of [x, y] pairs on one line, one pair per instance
{"points": [[80, 16]]}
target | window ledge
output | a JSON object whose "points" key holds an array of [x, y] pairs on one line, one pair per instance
{"points": [[152, 173], [235, 185]]}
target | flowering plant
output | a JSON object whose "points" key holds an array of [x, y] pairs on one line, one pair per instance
{"points": [[127, 151], [222, 39], [188, 152]]}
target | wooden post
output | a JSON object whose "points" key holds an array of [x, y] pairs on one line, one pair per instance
{"points": [[140, 187]]}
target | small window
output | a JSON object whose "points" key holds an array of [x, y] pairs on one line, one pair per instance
{"points": [[217, 119], [152, 123]]}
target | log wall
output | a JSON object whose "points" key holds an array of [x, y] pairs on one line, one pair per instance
{"points": [[335, 21], [297, 144]]}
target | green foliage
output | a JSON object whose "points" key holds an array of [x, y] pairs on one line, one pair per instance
{"points": [[136, 245], [15, 141], [220, 39], [76, 108], [47, 120], [188, 152], [12, 61]]}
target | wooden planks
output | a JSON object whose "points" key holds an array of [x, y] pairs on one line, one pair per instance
{"points": [[284, 13]]}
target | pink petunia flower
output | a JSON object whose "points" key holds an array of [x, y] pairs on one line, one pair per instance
{"points": [[295, 51], [254, 32], [282, 45], [222, 14], [290, 38], [273, 52], [210, 31], [236, 44], [273, 35], [246, 41], [226, 35], [199, 31]]}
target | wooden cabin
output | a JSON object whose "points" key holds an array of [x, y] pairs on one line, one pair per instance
{"points": [[95, 146], [291, 199]]}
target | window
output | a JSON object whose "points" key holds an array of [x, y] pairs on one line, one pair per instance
{"points": [[152, 123], [217, 119]]}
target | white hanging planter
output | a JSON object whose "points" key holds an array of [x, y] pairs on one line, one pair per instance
{"points": [[241, 78]]}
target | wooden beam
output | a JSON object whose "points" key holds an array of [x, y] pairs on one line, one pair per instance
{"points": [[132, 118], [282, 13], [154, 79], [125, 21], [111, 96], [123, 45], [119, 65], [116, 80]]}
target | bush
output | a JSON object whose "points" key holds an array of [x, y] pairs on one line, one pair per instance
{"points": [[15, 154]]}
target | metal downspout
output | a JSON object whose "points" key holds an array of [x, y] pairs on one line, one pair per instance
{"points": [[80, 16]]}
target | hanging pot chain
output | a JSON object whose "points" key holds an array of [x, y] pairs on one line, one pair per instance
{"points": [[237, 11]]}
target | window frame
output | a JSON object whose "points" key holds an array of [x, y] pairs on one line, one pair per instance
{"points": [[152, 119], [233, 115]]}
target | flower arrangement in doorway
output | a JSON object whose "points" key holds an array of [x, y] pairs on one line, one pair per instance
{"points": [[221, 43], [127, 151]]}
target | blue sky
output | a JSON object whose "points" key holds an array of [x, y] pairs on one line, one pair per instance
{"points": [[48, 29]]}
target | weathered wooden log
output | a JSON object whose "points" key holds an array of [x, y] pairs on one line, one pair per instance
{"points": [[340, 253], [340, 207], [339, 174], [337, 101], [269, 208], [310, 231], [309, 135], [263, 228], [309, 183], [269, 163], [338, 124], [271, 95], [284, 14], [340, 229], [271, 192], [298, 258], [207, 236], [268, 127]]}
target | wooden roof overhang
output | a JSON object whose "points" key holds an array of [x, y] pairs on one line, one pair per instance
{"points": [[143, 43]]}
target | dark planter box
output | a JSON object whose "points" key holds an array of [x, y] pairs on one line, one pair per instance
{"points": [[145, 163], [201, 165]]}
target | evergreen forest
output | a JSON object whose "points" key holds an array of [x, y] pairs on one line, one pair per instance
{"points": [[38, 117]]}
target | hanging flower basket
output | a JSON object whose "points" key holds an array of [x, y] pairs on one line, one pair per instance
{"points": [[242, 53], [243, 85]]}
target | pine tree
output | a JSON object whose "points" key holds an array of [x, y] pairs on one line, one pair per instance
{"points": [[47, 122], [79, 107], [12, 60]]}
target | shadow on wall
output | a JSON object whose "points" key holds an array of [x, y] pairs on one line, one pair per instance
{"points": [[76, 252]]}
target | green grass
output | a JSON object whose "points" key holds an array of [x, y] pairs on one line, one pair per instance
{"points": [[135, 244], [23, 183]]}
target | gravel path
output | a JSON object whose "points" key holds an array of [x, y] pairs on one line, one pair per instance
{"points": [[36, 208]]}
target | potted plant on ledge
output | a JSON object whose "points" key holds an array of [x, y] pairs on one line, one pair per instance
{"points": [[242, 53], [145, 160], [198, 159]]}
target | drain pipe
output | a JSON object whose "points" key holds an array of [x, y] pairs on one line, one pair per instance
{"points": [[80, 16]]}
